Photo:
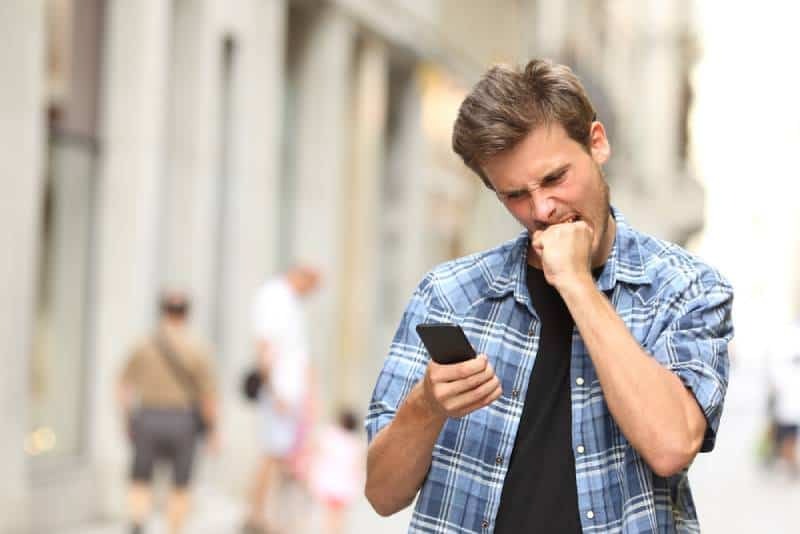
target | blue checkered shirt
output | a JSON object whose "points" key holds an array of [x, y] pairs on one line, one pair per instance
{"points": [[678, 308]]}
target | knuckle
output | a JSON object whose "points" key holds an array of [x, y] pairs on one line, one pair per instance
{"points": [[479, 394], [464, 371], [475, 381]]}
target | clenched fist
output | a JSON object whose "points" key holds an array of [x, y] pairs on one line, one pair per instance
{"points": [[565, 251]]}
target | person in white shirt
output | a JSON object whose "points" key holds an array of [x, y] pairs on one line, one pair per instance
{"points": [[784, 378], [282, 345]]}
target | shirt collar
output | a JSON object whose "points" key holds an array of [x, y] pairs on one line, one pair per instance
{"points": [[624, 264]]}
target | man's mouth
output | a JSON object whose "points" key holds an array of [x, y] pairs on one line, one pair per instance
{"points": [[567, 220]]}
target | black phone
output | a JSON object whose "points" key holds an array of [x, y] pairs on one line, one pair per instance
{"points": [[446, 342]]}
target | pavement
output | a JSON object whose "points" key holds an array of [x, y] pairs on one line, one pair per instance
{"points": [[220, 514], [733, 494]]}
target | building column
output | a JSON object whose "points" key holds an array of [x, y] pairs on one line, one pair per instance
{"points": [[408, 163], [660, 86], [131, 169], [22, 167], [361, 262], [251, 232], [188, 203], [324, 141], [550, 22], [404, 215], [653, 120]]}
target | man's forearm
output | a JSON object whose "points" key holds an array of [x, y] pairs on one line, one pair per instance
{"points": [[400, 455], [649, 403]]}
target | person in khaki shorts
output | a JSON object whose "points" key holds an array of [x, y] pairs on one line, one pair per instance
{"points": [[167, 396]]}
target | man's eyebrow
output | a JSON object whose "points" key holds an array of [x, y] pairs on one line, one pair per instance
{"points": [[554, 173], [512, 191]]}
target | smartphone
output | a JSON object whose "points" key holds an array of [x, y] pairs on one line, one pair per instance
{"points": [[446, 342]]}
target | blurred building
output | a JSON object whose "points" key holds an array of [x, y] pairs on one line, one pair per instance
{"points": [[208, 144]]}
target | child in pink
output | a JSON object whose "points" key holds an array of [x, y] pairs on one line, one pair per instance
{"points": [[337, 473]]}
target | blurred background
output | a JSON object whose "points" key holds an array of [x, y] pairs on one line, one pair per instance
{"points": [[208, 144]]}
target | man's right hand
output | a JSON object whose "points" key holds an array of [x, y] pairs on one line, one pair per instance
{"points": [[457, 389]]}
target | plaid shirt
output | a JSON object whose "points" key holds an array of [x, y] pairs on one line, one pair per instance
{"points": [[677, 308]]}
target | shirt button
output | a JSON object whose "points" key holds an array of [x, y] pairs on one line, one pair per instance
{"points": [[579, 381], [485, 524], [498, 460], [590, 514], [514, 393], [580, 449]]}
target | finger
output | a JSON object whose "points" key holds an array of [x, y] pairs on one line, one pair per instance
{"points": [[457, 371], [474, 396], [470, 383], [537, 238], [587, 228], [481, 403]]}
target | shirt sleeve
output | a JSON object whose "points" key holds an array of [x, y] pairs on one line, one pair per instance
{"points": [[403, 367], [695, 346]]}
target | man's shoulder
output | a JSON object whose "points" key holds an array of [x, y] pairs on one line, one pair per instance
{"points": [[199, 346], [669, 265], [143, 344], [470, 277], [273, 294], [273, 285]]}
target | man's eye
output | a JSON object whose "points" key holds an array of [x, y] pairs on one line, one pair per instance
{"points": [[516, 195], [550, 180]]}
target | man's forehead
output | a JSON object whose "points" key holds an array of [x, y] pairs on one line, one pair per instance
{"points": [[541, 152]]}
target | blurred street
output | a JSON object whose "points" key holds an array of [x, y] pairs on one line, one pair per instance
{"points": [[733, 495], [219, 514], [208, 146]]}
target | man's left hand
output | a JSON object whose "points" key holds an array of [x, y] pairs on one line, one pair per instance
{"points": [[565, 251]]}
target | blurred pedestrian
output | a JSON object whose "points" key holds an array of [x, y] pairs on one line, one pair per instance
{"points": [[285, 398], [167, 395], [784, 387], [603, 365], [337, 469]]}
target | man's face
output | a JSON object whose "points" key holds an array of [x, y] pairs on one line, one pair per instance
{"points": [[549, 178]]}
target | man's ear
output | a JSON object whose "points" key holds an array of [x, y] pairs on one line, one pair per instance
{"points": [[599, 147]]}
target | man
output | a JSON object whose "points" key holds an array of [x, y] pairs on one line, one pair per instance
{"points": [[603, 364], [282, 346], [783, 365], [167, 385]]}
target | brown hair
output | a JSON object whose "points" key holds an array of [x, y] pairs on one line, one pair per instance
{"points": [[508, 103]]}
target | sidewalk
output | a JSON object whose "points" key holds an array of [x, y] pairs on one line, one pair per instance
{"points": [[732, 494], [220, 514]]}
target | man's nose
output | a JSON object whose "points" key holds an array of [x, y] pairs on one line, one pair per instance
{"points": [[543, 207]]}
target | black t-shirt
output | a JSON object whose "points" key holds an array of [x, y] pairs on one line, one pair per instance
{"points": [[540, 494]]}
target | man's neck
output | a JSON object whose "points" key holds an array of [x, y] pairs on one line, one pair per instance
{"points": [[605, 248], [170, 324]]}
